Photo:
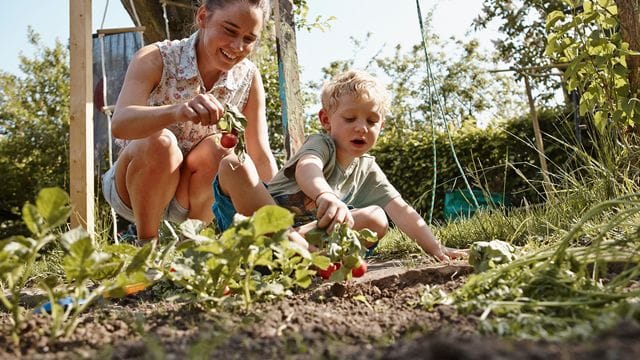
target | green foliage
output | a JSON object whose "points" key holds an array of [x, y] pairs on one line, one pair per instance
{"points": [[590, 43], [206, 266], [301, 13], [266, 60], [18, 253], [573, 288], [484, 255], [523, 37], [498, 159], [203, 263], [34, 116]]}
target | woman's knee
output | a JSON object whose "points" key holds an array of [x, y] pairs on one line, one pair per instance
{"points": [[158, 150], [231, 167], [234, 173], [206, 156]]}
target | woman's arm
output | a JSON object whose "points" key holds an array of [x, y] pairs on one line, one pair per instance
{"points": [[257, 131], [133, 118]]}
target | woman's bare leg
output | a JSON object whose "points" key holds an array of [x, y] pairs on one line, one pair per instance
{"points": [[200, 168], [147, 175], [242, 184]]}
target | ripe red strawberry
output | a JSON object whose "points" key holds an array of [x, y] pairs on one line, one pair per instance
{"points": [[359, 270], [326, 273], [228, 140]]}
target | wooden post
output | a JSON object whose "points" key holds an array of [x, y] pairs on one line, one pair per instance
{"points": [[288, 72], [628, 14], [81, 122], [538, 135]]}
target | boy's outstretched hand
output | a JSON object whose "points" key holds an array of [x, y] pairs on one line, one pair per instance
{"points": [[447, 253]]}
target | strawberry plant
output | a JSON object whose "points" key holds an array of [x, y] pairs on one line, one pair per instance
{"points": [[206, 266], [343, 246], [232, 125], [18, 253], [117, 271], [90, 273]]}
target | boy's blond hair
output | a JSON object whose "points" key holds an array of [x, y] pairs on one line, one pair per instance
{"points": [[359, 84]]}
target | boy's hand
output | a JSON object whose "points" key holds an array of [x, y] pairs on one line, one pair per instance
{"points": [[447, 253], [331, 211], [296, 237]]}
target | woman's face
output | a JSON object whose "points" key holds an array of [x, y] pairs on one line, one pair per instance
{"points": [[228, 34]]}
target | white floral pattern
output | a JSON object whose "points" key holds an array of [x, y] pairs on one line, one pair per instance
{"points": [[181, 81]]}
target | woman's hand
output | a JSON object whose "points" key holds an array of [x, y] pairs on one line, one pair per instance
{"points": [[331, 211], [204, 109]]}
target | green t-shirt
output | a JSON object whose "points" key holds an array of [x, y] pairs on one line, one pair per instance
{"points": [[360, 185]]}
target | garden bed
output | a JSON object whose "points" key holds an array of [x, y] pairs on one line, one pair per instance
{"points": [[376, 316]]}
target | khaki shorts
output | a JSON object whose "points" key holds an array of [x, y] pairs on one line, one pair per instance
{"points": [[174, 211]]}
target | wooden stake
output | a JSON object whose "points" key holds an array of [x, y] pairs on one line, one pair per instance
{"points": [[538, 135], [81, 122], [290, 95]]}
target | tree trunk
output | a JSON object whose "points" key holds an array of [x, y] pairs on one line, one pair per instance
{"points": [[179, 20], [628, 11]]}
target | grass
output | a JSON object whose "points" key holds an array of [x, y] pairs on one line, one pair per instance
{"points": [[580, 255]]}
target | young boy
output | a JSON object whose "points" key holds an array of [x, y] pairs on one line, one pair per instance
{"points": [[331, 179]]}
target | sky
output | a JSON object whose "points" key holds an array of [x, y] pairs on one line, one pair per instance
{"points": [[388, 25]]}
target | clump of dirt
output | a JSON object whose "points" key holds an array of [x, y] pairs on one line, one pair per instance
{"points": [[372, 317]]}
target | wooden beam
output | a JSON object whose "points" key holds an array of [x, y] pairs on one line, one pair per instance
{"points": [[119, 30], [288, 72], [81, 115]]}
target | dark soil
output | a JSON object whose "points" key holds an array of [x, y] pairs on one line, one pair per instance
{"points": [[375, 317]]}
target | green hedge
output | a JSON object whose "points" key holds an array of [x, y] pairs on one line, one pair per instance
{"points": [[407, 159]]}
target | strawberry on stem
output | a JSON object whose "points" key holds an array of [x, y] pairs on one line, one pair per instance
{"points": [[232, 125], [359, 270], [228, 140], [326, 273]]}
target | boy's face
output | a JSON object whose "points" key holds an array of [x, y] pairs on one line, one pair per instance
{"points": [[354, 126]]}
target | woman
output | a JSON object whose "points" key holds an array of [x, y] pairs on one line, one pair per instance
{"points": [[173, 95]]}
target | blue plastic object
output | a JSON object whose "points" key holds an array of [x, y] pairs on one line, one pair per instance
{"points": [[66, 302], [459, 203]]}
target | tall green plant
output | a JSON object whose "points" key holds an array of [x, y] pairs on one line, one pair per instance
{"points": [[19, 253], [590, 43], [34, 116]]}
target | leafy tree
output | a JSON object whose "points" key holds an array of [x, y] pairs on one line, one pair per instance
{"points": [[523, 40], [34, 115], [599, 63], [454, 83]]}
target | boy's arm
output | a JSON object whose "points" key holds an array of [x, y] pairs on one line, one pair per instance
{"points": [[330, 210], [411, 223]]}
